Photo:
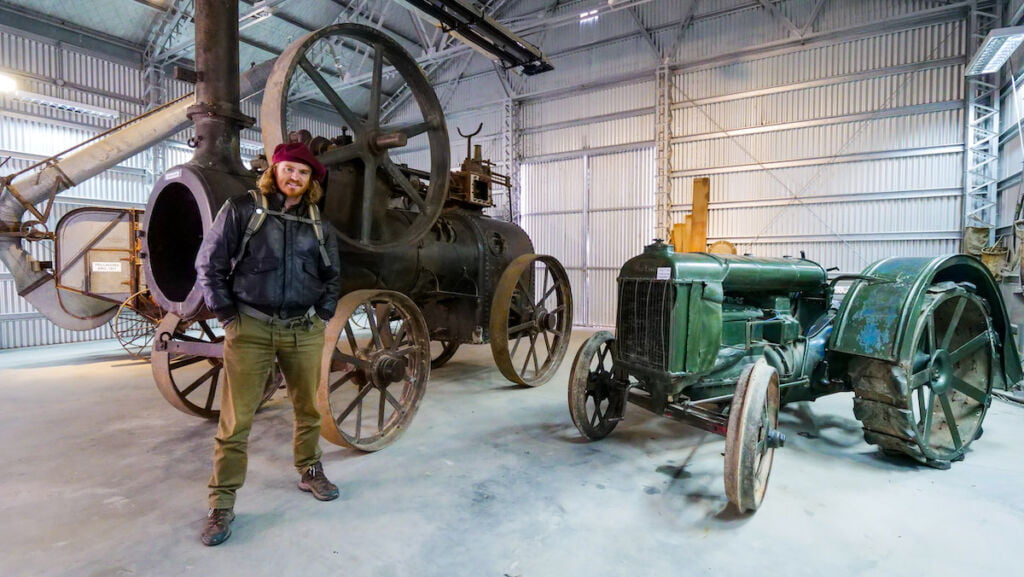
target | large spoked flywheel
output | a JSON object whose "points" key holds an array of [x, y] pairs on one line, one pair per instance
{"points": [[375, 368], [931, 404], [356, 78]]}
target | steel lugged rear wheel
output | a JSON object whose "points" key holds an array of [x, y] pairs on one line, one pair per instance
{"points": [[531, 319], [595, 402], [372, 379], [931, 404], [752, 436]]}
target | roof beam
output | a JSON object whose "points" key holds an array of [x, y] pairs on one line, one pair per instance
{"points": [[158, 6], [358, 13], [643, 30], [777, 14], [25, 20], [812, 18]]}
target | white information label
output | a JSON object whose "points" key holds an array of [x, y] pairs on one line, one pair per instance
{"points": [[664, 273], [171, 174], [106, 267]]}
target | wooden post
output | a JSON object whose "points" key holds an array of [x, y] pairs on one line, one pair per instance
{"points": [[699, 222]]}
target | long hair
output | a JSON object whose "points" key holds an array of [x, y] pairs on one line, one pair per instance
{"points": [[268, 185]]}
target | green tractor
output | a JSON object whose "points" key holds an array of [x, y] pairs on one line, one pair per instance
{"points": [[722, 341]]}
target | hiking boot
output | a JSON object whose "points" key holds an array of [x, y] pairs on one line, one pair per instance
{"points": [[218, 526], [314, 481]]}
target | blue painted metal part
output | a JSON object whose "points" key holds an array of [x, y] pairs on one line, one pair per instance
{"points": [[878, 314]]}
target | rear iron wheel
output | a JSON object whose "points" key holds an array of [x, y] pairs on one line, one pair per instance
{"points": [[931, 404], [373, 379], [531, 319], [188, 365], [441, 352], [752, 436], [595, 402]]}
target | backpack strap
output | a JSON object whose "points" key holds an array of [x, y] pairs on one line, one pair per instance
{"points": [[314, 215], [259, 216]]}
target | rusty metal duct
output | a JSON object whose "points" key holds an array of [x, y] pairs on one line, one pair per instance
{"points": [[186, 198], [68, 309]]}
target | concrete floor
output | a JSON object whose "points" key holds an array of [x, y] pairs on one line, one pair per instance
{"points": [[101, 477]]}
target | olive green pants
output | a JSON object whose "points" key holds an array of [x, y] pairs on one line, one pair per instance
{"points": [[250, 347]]}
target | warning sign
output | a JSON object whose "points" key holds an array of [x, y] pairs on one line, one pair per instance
{"points": [[106, 267]]}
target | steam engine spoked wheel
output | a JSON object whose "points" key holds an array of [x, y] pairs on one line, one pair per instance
{"points": [[188, 363], [373, 379], [328, 65], [531, 319], [441, 352], [135, 324], [752, 436], [931, 404], [596, 401]]}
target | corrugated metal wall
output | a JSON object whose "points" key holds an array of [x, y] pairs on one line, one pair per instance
{"points": [[848, 147], [587, 185], [845, 150], [1010, 210], [32, 132]]}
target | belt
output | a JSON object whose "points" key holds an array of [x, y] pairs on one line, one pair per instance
{"points": [[291, 322]]}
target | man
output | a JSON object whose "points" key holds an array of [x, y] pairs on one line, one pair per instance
{"points": [[272, 281]]}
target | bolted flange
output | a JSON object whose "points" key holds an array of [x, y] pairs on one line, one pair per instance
{"points": [[388, 369]]}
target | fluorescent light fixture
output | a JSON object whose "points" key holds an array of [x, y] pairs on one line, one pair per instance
{"points": [[7, 83], [997, 48], [260, 14], [68, 105], [246, 143]]}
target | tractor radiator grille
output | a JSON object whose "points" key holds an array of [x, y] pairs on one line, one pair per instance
{"points": [[644, 324]]}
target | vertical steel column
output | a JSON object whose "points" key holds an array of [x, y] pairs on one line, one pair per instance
{"points": [[663, 151], [512, 149], [587, 190], [167, 27], [156, 157], [981, 164]]}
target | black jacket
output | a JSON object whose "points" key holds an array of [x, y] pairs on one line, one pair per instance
{"points": [[281, 272]]}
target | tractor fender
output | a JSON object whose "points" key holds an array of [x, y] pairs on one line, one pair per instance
{"points": [[879, 312]]}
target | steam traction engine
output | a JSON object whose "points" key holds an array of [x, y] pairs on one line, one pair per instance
{"points": [[721, 341], [420, 260]]}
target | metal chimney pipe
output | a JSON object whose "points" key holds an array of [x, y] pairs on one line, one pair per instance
{"points": [[217, 115]]}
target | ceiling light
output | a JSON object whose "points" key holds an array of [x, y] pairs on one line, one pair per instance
{"points": [[7, 83], [997, 48], [258, 15], [68, 105]]}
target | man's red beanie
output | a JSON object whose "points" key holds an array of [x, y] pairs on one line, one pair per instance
{"points": [[297, 152]]}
